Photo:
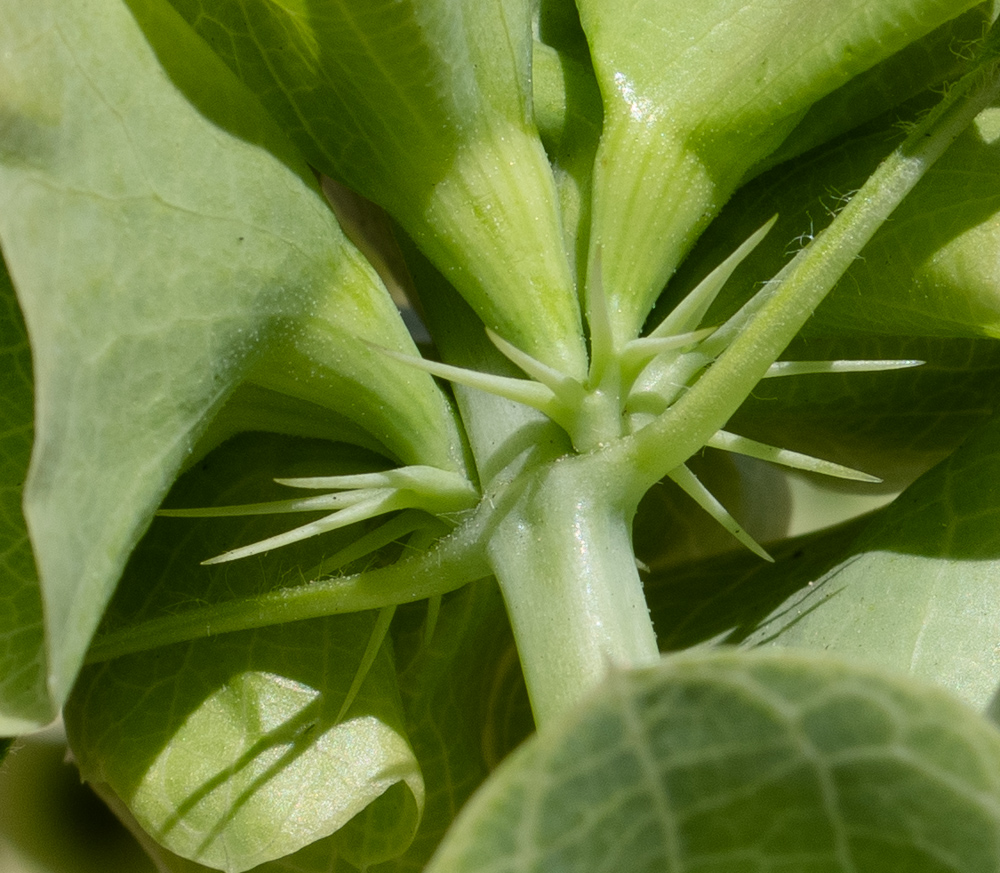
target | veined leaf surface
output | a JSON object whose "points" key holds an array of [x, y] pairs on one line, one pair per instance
{"points": [[723, 761], [160, 233], [694, 95], [24, 704], [425, 108]]}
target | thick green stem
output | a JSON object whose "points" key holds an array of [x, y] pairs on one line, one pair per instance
{"points": [[564, 558], [559, 541]]}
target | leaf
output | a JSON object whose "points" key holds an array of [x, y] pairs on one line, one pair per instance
{"points": [[729, 761], [24, 705], [694, 96], [466, 707], [152, 275], [941, 56], [724, 598], [425, 108], [916, 592], [464, 704], [568, 112], [247, 747], [240, 753], [928, 271]]}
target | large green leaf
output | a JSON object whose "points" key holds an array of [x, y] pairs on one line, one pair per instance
{"points": [[24, 702], [941, 56], [464, 704], [160, 233], [695, 95], [725, 761], [425, 108], [466, 707], [917, 591], [909, 588], [723, 599]]}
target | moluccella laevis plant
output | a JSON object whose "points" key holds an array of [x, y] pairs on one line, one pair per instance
{"points": [[518, 307]]}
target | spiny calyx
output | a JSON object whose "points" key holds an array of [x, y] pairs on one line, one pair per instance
{"points": [[351, 498], [629, 387]]}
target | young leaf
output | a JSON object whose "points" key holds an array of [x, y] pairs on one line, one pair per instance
{"points": [[152, 274], [694, 96], [724, 761], [568, 112], [425, 108]]}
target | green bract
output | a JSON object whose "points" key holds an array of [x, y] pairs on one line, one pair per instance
{"points": [[388, 382]]}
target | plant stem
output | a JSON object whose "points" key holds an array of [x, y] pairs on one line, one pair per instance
{"points": [[453, 562], [564, 559], [560, 541]]}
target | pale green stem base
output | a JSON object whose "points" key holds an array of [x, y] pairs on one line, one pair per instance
{"points": [[564, 558]]}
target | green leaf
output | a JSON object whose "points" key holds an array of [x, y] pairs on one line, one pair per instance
{"points": [[240, 752], [941, 56], [464, 704], [425, 108], [726, 761], [466, 708], [916, 592], [723, 599], [24, 700], [568, 112], [695, 96], [152, 274], [928, 271], [249, 746]]}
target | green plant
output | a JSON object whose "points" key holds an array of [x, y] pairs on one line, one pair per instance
{"points": [[206, 342]]}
